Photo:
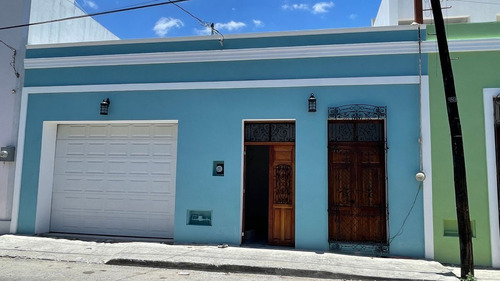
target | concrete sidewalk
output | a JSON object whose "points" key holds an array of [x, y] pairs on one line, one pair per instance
{"points": [[230, 259]]}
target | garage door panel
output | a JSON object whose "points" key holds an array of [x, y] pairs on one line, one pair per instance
{"points": [[119, 131], [70, 148], [140, 131], [164, 131], [115, 179], [140, 148], [163, 149], [97, 131], [96, 148], [72, 131]]}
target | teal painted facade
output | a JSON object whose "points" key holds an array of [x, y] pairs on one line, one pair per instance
{"points": [[210, 124]]}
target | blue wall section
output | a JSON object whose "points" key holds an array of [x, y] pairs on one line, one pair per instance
{"points": [[362, 66], [210, 129]]}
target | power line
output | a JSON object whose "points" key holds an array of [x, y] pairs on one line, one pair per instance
{"points": [[204, 23], [400, 231], [94, 14]]}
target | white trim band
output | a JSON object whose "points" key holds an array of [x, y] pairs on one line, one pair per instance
{"points": [[491, 168], [283, 83], [301, 52], [337, 50]]}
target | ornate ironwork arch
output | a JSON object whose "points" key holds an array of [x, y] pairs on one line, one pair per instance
{"points": [[357, 112]]}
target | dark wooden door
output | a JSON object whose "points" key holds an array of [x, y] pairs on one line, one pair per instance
{"points": [[496, 110], [356, 191], [281, 195]]}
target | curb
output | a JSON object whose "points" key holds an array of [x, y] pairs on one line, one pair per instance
{"points": [[247, 269]]}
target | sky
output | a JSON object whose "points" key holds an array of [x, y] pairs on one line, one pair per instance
{"points": [[230, 16]]}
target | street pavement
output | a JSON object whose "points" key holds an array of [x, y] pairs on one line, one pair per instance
{"points": [[17, 269], [223, 258]]}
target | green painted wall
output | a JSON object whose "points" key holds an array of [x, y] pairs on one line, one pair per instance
{"points": [[473, 72]]}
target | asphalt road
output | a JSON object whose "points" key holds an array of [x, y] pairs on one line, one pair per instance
{"points": [[40, 270]]}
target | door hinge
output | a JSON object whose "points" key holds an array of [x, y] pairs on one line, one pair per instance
{"points": [[242, 234]]}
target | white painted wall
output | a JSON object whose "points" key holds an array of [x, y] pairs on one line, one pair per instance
{"points": [[11, 13], [387, 13], [460, 11], [78, 30]]}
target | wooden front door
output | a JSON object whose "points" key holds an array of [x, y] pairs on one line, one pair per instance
{"points": [[356, 182], [281, 195], [270, 180]]}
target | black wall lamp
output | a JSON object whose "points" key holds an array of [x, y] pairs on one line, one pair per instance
{"points": [[312, 103], [105, 107]]}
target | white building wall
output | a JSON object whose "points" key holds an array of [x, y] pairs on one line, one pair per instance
{"points": [[11, 13], [387, 13], [78, 30], [16, 12], [458, 11]]}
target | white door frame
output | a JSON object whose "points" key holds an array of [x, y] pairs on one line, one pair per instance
{"points": [[47, 160], [491, 167]]}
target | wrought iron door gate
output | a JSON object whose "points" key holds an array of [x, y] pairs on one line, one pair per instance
{"points": [[357, 208]]}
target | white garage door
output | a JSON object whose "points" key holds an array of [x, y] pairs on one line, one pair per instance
{"points": [[115, 179]]}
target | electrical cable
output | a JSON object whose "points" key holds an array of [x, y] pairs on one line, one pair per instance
{"points": [[400, 231], [14, 53], [94, 14], [204, 23]]}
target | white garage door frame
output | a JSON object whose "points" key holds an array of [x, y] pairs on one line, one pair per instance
{"points": [[47, 161]]}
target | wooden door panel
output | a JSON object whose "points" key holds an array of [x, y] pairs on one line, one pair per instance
{"points": [[356, 194], [282, 226], [371, 191], [342, 225], [282, 195]]}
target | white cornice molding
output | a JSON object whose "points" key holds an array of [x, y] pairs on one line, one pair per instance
{"points": [[472, 45], [246, 84], [337, 50]]}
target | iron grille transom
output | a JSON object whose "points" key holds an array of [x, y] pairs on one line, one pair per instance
{"points": [[269, 132], [355, 131], [346, 123]]}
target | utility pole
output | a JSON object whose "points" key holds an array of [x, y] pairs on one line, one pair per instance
{"points": [[461, 197]]}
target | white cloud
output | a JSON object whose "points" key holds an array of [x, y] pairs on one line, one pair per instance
{"points": [[204, 31], [230, 26], [295, 7], [353, 16], [89, 3], [318, 8], [258, 23], [164, 25], [322, 7]]}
